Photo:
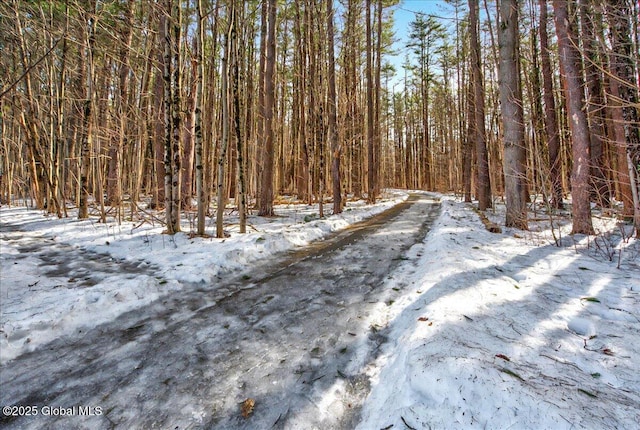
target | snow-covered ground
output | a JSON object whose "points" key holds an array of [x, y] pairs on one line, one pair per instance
{"points": [[37, 304], [489, 330], [510, 331]]}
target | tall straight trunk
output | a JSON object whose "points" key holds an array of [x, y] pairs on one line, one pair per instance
{"points": [[224, 101], [302, 177], [336, 147], [550, 122], [29, 121], [371, 195], [620, 145], [266, 183], [188, 139], [200, 186], [580, 138], [624, 73], [172, 115], [482, 157], [512, 117], [87, 117], [467, 147], [600, 187], [377, 162], [114, 179], [352, 135], [237, 115], [176, 151]]}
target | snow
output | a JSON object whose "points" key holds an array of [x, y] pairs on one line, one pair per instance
{"points": [[37, 305], [511, 331], [527, 330]]}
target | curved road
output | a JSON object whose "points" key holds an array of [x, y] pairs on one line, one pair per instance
{"points": [[292, 336]]}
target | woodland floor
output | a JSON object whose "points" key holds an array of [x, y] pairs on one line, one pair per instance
{"points": [[282, 334], [417, 318]]}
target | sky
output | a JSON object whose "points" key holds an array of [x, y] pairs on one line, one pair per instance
{"points": [[404, 14]]}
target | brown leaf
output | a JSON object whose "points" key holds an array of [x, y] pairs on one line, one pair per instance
{"points": [[247, 407], [607, 351], [423, 319], [504, 357]]}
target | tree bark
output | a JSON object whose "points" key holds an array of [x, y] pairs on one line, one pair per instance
{"points": [[237, 115], [550, 122], [200, 186], [626, 84], [87, 117], [512, 117], [595, 103], [482, 157], [224, 101], [266, 183], [574, 92], [371, 195], [336, 147]]}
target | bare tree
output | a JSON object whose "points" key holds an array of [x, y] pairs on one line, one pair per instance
{"points": [[172, 113], [580, 138], [266, 191], [512, 117], [199, 159], [625, 97], [484, 184], [87, 116], [371, 194], [550, 121], [336, 147]]}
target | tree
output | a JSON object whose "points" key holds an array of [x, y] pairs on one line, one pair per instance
{"points": [[591, 22], [224, 100], [550, 122], [371, 167], [171, 26], [199, 159], [484, 184], [237, 115], [336, 147], [512, 116], [424, 33], [268, 82], [87, 116], [625, 96], [580, 138]]}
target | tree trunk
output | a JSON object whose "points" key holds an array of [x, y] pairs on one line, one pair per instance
{"points": [[571, 72], [550, 122], [371, 196], [172, 115], [266, 183], [336, 147], [87, 117], [484, 184], [235, 60], [200, 186], [622, 65], [593, 65], [224, 101], [114, 176], [512, 117]]}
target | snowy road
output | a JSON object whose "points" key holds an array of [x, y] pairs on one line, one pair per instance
{"points": [[295, 336]]}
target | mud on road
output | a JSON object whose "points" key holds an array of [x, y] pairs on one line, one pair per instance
{"points": [[293, 335]]}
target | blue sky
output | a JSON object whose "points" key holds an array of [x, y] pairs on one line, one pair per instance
{"points": [[405, 12]]}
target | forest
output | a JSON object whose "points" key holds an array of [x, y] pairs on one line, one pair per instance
{"points": [[121, 107]]}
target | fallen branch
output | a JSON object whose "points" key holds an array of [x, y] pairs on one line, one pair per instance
{"points": [[405, 423], [491, 227]]}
